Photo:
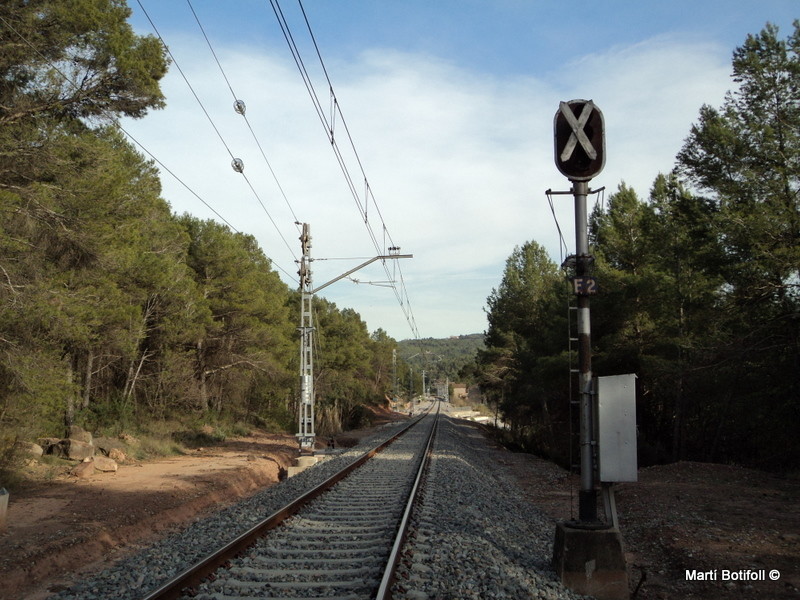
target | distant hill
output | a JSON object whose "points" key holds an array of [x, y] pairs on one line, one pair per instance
{"points": [[443, 357]]}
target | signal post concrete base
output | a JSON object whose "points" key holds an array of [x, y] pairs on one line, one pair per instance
{"points": [[591, 561], [301, 464]]}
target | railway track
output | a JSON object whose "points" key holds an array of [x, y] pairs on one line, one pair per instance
{"points": [[472, 533], [341, 540]]}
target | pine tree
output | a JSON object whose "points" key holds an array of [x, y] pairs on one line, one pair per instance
{"points": [[746, 158]]}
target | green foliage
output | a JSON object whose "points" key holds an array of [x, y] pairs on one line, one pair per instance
{"points": [[515, 371], [115, 313], [110, 418], [199, 438], [700, 289], [72, 59], [246, 343], [278, 417], [352, 367], [155, 447], [756, 364], [34, 392], [450, 358]]}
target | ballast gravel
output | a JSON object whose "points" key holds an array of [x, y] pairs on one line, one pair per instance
{"points": [[473, 534], [338, 544], [135, 576]]}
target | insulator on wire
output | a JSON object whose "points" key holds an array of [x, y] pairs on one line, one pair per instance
{"points": [[239, 107], [238, 165]]}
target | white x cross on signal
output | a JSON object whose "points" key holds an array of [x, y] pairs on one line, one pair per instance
{"points": [[578, 134]]}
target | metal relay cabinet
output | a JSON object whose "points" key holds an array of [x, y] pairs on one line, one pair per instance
{"points": [[616, 428]]}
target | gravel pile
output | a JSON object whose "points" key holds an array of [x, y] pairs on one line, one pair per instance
{"points": [[134, 577], [474, 536]]}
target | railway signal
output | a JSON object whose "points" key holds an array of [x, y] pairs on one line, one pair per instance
{"points": [[587, 554], [580, 155], [580, 141]]}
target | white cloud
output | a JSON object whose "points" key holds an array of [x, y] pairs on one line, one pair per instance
{"points": [[650, 94], [458, 160]]}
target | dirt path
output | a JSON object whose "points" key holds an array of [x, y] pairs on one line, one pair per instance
{"points": [[59, 530]]}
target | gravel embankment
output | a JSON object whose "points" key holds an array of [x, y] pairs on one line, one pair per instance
{"points": [[134, 577], [337, 546], [475, 536]]}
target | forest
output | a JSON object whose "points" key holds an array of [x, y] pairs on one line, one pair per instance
{"points": [[116, 314], [699, 291], [442, 360]]}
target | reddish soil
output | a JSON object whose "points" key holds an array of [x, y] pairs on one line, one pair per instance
{"points": [[675, 518], [689, 516], [61, 529]]}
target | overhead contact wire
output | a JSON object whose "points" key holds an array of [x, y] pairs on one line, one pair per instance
{"points": [[328, 126], [326, 123], [368, 190], [336, 109]]}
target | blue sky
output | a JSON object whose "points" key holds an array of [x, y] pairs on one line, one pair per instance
{"points": [[450, 105]]}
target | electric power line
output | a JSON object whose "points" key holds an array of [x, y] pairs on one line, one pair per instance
{"points": [[238, 103], [236, 163]]}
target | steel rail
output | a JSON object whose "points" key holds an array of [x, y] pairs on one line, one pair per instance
{"points": [[191, 577], [384, 590]]}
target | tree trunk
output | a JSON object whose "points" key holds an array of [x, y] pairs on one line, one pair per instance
{"points": [[133, 369], [677, 425], [548, 421], [131, 384], [69, 409], [87, 382], [201, 374], [721, 419], [677, 430]]}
